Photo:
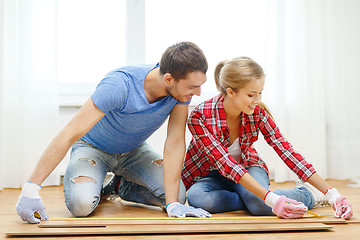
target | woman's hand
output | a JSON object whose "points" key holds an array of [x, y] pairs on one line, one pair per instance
{"points": [[285, 207]]}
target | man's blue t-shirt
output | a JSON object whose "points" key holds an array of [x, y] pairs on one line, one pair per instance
{"points": [[129, 118]]}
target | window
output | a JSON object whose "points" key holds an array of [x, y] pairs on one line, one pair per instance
{"points": [[222, 29], [95, 37], [90, 43]]}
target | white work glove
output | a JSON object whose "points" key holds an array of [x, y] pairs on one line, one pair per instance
{"points": [[339, 203], [179, 210], [30, 202], [285, 207]]}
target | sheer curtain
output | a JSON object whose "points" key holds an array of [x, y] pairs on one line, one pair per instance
{"points": [[312, 76], [342, 83], [309, 50], [28, 98]]}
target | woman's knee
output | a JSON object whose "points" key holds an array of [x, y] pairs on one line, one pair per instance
{"points": [[182, 193], [199, 198], [256, 206]]}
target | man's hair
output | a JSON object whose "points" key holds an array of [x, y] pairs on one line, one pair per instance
{"points": [[182, 58]]}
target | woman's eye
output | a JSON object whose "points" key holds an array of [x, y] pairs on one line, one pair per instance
{"points": [[251, 95]]}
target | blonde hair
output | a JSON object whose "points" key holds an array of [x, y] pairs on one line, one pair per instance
{"points": [[236, 74]]}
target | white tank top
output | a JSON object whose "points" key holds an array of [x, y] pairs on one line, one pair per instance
{"points": [[234, 150]]}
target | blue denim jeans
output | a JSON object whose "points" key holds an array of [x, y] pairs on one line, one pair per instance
{"points": [[142, 177], [216, 193]]}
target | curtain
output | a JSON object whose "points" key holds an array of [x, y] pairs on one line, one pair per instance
{"points": [[312, 76], [28, 98], [309, 50], [342, 81]]}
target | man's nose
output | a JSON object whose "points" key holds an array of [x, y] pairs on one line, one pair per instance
{"points": [[197, 91]]}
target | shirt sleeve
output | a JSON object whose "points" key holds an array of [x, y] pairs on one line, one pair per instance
{"points": [[283, 148], [111, 93], [214, 149]]}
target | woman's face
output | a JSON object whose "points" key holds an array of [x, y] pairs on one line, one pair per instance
{"points": [[248, 97]]}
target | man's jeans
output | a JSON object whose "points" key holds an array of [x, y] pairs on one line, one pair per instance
{"points": [[141, 170], [215, 193]]}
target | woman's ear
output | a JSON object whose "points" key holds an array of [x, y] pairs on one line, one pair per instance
{"points": [[230, 92]]}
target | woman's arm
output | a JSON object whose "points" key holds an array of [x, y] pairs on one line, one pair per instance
{"points": [[295, 161], [319, 183], [252, 185]]}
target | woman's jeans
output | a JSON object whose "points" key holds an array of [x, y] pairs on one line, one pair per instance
{"points": [[216, 193], [141, 170]]}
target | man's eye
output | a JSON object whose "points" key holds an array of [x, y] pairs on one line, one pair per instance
{"points": [[251, 95]]}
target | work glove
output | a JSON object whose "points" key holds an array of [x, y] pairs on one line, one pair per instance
{"points": [[339, 203], [30, 203], [285, 207], [179, 210]]}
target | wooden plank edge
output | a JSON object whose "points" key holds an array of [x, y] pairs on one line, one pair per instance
{"points": [[168, 229], [100, 223]]}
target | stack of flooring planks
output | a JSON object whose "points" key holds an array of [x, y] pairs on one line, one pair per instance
{"points": [[141, 226]]}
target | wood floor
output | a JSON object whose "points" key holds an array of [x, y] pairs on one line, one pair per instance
{"points": [[54, 202]]}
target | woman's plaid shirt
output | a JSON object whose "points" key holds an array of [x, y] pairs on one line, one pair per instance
{"points": [[208, 148]]}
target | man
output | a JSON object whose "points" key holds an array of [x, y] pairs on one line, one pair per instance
{"points": [[109, 134]]}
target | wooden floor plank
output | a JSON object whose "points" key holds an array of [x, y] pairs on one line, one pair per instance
{"points": [[31, 230], [53, 199], [99, 223]]}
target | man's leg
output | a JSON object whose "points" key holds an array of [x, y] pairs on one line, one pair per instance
{"points": [[142, 177], [83, 179]]}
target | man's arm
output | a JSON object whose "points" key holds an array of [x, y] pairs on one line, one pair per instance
{"points": [[29, 200], [174, 152], [82, 122]]}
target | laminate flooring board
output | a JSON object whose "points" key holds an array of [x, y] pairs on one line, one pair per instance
{"points": [[53, 198], [31, 230], [99, 223]]}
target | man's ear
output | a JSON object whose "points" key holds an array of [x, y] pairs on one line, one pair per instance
{"points": [[169, 79]]}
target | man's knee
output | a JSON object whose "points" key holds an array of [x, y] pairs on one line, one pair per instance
{"points": [[81, 206], [82, 203]]}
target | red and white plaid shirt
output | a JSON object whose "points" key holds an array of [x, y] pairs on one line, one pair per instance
{"points": [[208, 148]]}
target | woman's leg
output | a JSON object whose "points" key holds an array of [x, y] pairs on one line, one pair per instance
{"points": [[301, 194], [256, 206], [84, 178], [214, 194]]}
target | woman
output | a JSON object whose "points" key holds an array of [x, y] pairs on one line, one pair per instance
{"points": [[224, 172]]}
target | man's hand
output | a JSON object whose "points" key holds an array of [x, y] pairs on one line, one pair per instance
{"points": [[339, 203], [179, 210], [285, 207], [30, 202]]}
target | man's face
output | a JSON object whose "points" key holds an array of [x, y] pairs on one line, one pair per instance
{"points": [[184, 88]]}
